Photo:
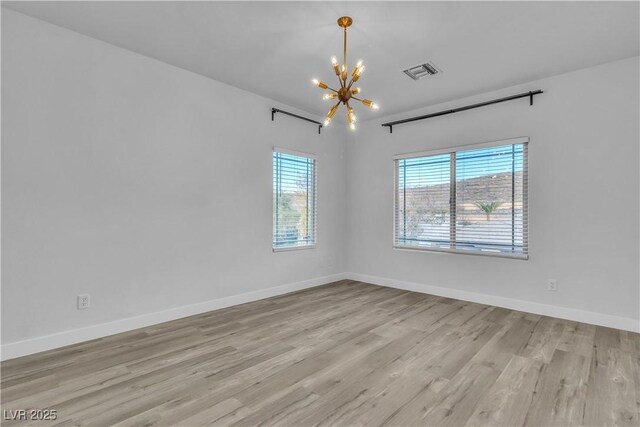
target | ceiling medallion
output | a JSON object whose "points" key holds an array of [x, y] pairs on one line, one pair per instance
{"points": [[345, 93]]}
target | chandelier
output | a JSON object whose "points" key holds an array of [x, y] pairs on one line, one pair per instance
{"points": [[346, 92]]}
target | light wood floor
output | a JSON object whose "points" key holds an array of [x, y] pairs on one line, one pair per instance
{"points": [[348, 354]]}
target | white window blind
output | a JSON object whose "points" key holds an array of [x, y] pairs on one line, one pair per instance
{"points": [[294, 200], [471, 200]]}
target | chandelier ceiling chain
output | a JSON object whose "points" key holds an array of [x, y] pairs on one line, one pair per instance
{"points": [[345, 93]]}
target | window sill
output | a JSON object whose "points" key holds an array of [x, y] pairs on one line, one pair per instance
{"points": [[522, 257], [293, 248]]}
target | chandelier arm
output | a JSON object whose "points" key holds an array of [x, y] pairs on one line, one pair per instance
{"points": [[357, 99]]}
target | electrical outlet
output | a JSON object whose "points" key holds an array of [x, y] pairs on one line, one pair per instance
{"points": [[84, 301], [552, 285]]}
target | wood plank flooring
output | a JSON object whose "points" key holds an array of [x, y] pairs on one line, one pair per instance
{"points": [[343, 354]]}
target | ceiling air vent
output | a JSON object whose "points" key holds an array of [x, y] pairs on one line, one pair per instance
{"points": [[422, 70]]}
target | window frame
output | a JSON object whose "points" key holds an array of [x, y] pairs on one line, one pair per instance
{"points": [[314, 199], [452, 150]]}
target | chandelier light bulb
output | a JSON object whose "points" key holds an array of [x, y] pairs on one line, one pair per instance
{"points": [[352, 126], [332, 112], [350, 115], [336, 68], [329, 96], [358, 69], [355, 90], [369, 103], [321, 85]]}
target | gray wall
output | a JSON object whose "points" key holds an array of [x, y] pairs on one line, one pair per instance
{"points": [[145, 185], [583, 193]]}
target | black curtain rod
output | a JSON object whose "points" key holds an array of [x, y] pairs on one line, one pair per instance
{"points": [[468, 107], [276, 110]]}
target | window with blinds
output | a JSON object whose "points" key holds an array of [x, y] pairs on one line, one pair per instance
{"points": [[294, 200], [470, 200]]}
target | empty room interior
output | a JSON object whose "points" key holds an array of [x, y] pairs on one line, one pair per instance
{"points": [[320, 213]]}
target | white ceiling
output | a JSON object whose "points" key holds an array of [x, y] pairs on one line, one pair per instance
{"points": [[275, 48]]}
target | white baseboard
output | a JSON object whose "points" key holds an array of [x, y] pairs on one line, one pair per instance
{"points": [[600, 319], [74, 336], [60, 339]]}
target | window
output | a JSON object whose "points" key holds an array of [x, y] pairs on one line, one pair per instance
{"points": [[294, 200], [471, 200]]}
